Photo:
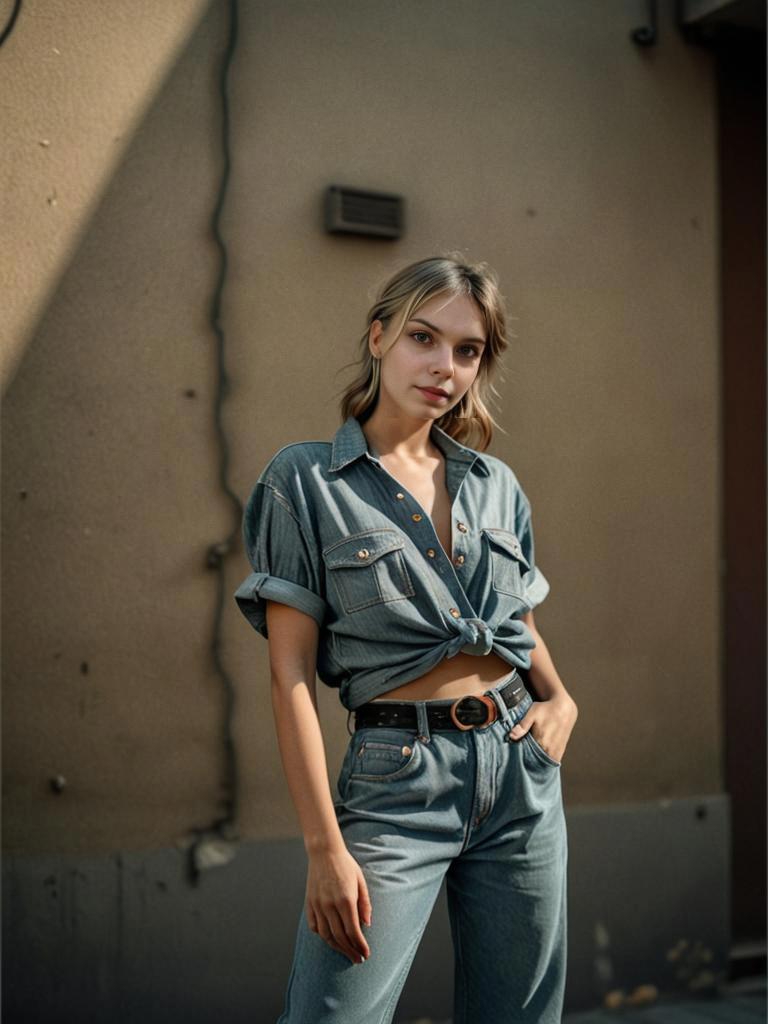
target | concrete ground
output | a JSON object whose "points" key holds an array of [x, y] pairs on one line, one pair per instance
{"points": [[738, 1004]]}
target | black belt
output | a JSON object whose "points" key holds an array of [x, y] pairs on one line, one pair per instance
{"points": [[464, 713]]}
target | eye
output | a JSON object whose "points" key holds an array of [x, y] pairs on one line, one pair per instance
{"points": [[471, 350], [418, 335]]}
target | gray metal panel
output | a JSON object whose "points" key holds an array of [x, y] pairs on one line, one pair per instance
{"points": [[727, 1009], [649, 897]]}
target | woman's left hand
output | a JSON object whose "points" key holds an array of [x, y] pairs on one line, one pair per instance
{"points": [[550, 722]]}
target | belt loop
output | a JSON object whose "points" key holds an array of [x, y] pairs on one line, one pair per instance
{"points": [[422, 722], [504, 713], [349, 715]]}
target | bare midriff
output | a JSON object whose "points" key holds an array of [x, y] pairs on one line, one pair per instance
{"points": [[461, 676]]}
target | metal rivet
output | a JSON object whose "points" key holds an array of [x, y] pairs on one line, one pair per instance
{"points": [[399, 495], [462, 527], [416, 517], [431, 552], [363, 553], [455, 612], [459, 559], [406, 751]]}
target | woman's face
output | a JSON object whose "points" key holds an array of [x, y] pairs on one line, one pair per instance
{"points": [[440, 348]]}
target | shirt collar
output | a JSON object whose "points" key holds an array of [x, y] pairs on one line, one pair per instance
{"points": [[349, 444]]}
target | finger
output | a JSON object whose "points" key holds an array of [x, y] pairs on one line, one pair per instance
{"points": [[311, 918], [339, 933], [521, 728], [364, 908], [351, 922], [325, 933]]}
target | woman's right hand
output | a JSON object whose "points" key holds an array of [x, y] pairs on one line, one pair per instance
{"points": [[337, 902]]}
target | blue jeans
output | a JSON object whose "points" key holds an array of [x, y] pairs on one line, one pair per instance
{"points": [[486, 814]]}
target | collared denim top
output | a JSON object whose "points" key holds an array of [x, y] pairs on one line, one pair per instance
{"points": [[331, 532]]}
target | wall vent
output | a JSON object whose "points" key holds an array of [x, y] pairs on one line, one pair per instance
{"points": [[355, 211]]}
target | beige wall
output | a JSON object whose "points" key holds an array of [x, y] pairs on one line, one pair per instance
{"points": [[531, 134], [76, 79]]}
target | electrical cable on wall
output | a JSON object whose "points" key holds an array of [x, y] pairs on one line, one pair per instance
{"points": [[214, 843], [11, 22]]}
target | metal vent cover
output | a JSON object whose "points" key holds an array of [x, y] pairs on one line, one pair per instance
{"points": [[355, 211]]}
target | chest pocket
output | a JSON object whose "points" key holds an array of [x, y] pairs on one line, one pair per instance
{"points": [[508, 563], [368, 569]]}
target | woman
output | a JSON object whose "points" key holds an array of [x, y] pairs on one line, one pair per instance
{"points": [[397, 563]]}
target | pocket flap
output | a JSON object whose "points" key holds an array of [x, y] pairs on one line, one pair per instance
{"points": [[362, 549], [508, 542]]}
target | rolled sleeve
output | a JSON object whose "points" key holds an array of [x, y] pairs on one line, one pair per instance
{"points": [[285, 564], [536, 587], [258, 588]]}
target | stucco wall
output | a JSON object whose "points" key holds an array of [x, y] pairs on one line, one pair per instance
{"points": [[533, 135], [76, 79]]}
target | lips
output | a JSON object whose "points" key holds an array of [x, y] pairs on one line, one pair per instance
{"points": [[437, 392]]}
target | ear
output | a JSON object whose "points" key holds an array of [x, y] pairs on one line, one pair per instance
{"points": [[375, 332]]}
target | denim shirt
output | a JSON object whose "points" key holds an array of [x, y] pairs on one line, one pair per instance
{"points": [[330, 531]]}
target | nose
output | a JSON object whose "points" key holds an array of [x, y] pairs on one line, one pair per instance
{"points": [[442, 363]]}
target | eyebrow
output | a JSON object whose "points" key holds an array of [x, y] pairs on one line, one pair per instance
{"points": [[432, 327]]}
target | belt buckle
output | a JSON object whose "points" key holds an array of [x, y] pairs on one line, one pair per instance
{"points": [[493, 712]]}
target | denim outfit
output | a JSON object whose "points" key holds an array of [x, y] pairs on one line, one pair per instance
{"points": [[329, 531]]}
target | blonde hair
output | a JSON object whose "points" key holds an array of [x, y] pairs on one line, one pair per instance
{"points": [[398, 300]]}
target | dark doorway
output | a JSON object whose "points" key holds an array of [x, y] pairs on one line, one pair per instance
{"points": [[741, 69]]}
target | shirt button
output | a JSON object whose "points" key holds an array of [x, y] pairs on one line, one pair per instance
{"points": [[458, 560], [417, 517], [462, 527], [455, 613], [431, 552], [399, 495]]}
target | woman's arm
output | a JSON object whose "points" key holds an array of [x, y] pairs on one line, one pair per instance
{"points": [[337, 896], [543, 673], [554, 716]]}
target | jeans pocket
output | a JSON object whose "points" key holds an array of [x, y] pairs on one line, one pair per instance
{"points": [[369, 569], [383, 755], [540, 752]]}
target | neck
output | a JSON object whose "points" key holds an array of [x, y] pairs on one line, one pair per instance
{"points": [[401, 436]]}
